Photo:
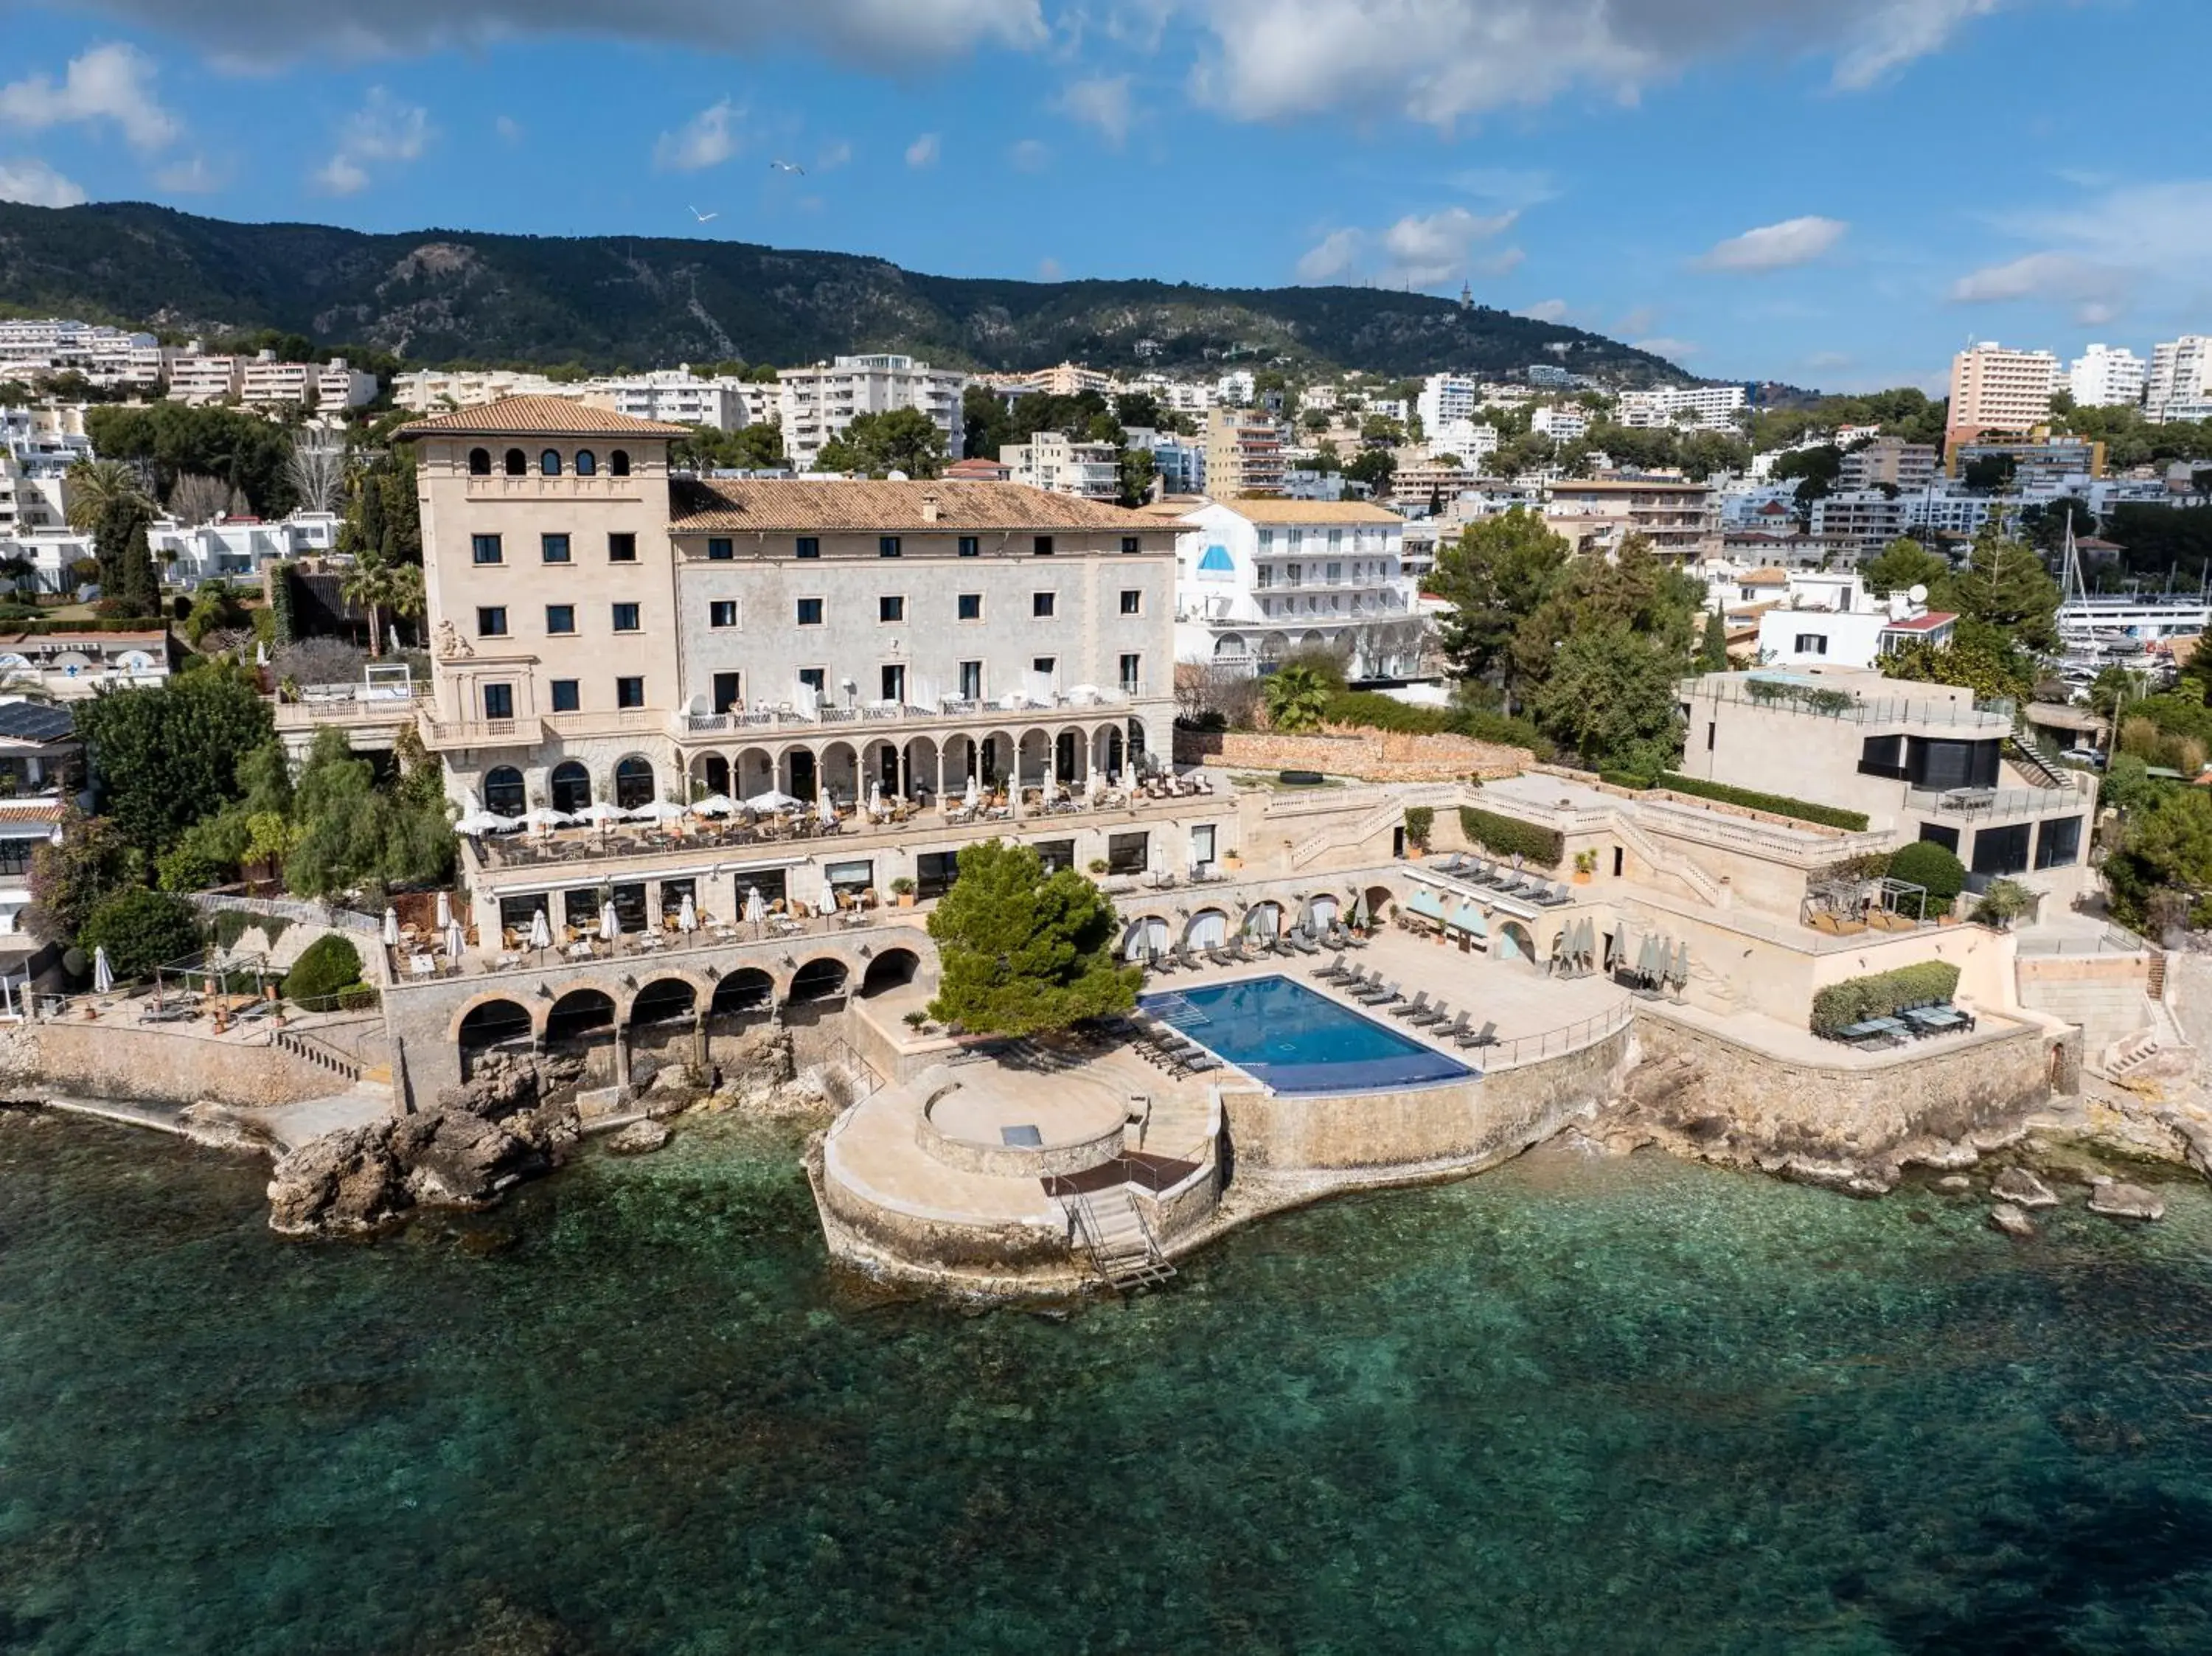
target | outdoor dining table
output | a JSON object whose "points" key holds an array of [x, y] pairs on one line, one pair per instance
{"points": [[1936, 1017]]}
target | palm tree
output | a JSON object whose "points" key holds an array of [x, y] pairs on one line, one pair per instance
{"points": [[1297, 697], [101, 489], [373, 584]]}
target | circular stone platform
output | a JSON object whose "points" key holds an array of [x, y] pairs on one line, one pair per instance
{"points": [[1013, 1123]]}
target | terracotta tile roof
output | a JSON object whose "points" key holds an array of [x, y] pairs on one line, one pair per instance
{"points": [[79, 639], [1927, 623], [30, 810], [743, 504], [1269, 509], [539, 416], [1764, 577]]}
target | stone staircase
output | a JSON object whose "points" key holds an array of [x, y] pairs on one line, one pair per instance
{"points": [[1382, 818], [2123, 1027], [1115, 1234], [2041, 769], [323, 1056], [1702, 885]]}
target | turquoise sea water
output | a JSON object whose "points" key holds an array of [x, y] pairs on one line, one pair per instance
{"points": [[1619, 1406]]}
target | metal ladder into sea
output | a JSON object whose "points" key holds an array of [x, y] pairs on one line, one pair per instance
{"points": [[1115, 1234]]}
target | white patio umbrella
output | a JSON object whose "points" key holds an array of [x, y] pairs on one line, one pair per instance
{"points": [[457, 940], [973, 797], [824, 810], [714, 804], [484, 821], [544, 818], [391, 928], [103, 974], [601, 813], [660, 811], [445, 910], [541, 930], [687, 917], [1622, 942], [756, 910], [773, 800], [875, 798], [610, 922]]}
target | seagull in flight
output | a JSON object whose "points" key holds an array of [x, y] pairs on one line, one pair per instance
{"points": [[705, 218], [789, 166]]}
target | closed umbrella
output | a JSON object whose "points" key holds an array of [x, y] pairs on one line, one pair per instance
{"points": [[875, 798], [1622, 943], [974, 796], [103, 974], [825, 809], [1681, 972], [445, 910], [391, 928], [756, 910], [456, 940], [541, 930], [1359, 914], [687, 917], [610, 922]]}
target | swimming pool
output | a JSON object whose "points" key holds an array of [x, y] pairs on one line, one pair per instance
{"points": [[1279, 1032]]}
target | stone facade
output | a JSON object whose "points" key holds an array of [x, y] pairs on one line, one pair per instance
{"points": [[1371, 755], [109, 1059]]}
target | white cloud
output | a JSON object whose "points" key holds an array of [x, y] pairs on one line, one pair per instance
{"points": [[1442, 60], [34, 184], [708, 139], [924, 151], [834, 156], [1103, 103], [2038, 275], [1507, 186], [1776, 247], [1029, 155], [383, 130], [2131, 246], [1546, 310], [1418, 250], [193, 177], [111, 82], [1674, 349]]}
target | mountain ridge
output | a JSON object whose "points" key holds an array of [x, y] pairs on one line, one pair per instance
{"points": [[442, 295]]}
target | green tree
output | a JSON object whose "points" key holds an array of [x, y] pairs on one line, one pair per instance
{"points": [[876, 445], [1610, 696], [1496, 576], [1924, 863], [94, 860], [2004, 585], [2166, 849], [1902, 565], [1022, 951], [1297, 695], [1712, 648], [376, 586], [990, 425], [232, 445], [1991, 473], [748, 448], [140, 930], [1139, 470], [348, 833], [325, 966], [165, 756], [1375, 467], [1979, 658]]}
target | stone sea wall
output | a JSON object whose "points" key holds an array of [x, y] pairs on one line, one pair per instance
{"points": [[108, 1059], [1370, 755]]}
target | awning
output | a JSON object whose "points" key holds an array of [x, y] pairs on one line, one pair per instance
{"points": [[1425, 903], [1468, 919]]}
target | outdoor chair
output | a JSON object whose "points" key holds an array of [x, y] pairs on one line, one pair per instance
{"points": [[1435, 1013], [1379, 994], [1305, 944], [1485, 1036], [1455, 1029], [1413, 1008]]}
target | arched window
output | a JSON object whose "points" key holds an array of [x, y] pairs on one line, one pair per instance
{"points": [[569, 788], [634, 782], [502, 790], [518, 464], [479, 463], [618, 463], [549, 463], [587, 464]]}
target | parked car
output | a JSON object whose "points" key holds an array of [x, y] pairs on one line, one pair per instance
{"points": [[2093, 757]]}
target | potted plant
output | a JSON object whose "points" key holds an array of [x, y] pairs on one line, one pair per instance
{"points": [[1585, 866], [1420, 822], [1230, 861], [1098, 865], [902, 888]]}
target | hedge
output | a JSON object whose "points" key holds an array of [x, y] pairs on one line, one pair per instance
{"points": [[1777, 805], [1935, 869], [1372, 709], [1507, 836], [325, 966], [141, 930], [1882, 994]]}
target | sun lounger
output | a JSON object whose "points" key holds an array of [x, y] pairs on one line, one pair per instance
{"points": [[1380, 995], [1485, 1036], [1455, 1029], [1435, 1013], [1413, 1008]]}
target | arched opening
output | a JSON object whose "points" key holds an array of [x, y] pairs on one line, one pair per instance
{"points": [[1106, 749], [1513, 943], [502, 790], [518, 464], [1137, 744], [1034, 759], [1379, 903], [549, 463], [581, 1015], [495, 1024], [1228, 644], [818, 981], [634, 782], [841, 773], [569, 788], [712, 776], [892, 969], [1065, 746], [479, 463], [1208, 929], [587, 464], [619, 462], [1263, 920], [744, 991], [1146, 936], [665, 1000], [1322, 909], [755, 774]]}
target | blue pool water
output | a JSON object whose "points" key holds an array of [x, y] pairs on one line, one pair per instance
{"points": [[1279, 1031]]}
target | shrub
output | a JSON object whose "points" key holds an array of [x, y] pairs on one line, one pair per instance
{"points": [[1882, 994], [329, 964], [1420, 822], [1507, 836], [357, 997], [141, 930], [2005, 901], [1625, 780], [1924, 863], [186, 869], [1777, 804]]}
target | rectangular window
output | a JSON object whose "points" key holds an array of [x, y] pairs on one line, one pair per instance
{"points": [[1124, 852], [1041, 605], [1132, 603], [621, 548], [492, 622], [552, 548], [727, 688], [970, 547], [1336, 539], [971, 681], [887, 546], [2001, 850], [1133, 674], [849, 876], [484, 549], [722, 612], [1042, 547], [720, 548], [626, 618], [891, 606], [810, 612], [970, 606], [1620, 860], [499, 701], [935, 871], [807, 546], [815, 679], [1055, 854], [1045, 664], [1812, 644], [566, 699], [1710, 726], [1334, 574], [1263, 575], [1937, 833], [560, 619], [895, 683], [2059, 842], [630, 692], [1201, 845], [1267, 541], [1131, 543]]}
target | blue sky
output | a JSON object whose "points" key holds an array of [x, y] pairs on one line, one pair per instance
{"points": [[1833, 194]]}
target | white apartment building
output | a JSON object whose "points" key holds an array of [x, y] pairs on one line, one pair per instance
{"points": [[819, 402], [1054, 461], [110, 357], [1848, 627], [238, 547], [196, 378], [432, 391], [1868, 519], [2179, 384], [1321, 398], [1995, 390], [1941, 512], [1889, 460], [677, 396], [2103, 377], [1258, 579], [1562, 422], [1445, 398], [265, 382], [1472, 440], [1234, 390], [1715, 406]]}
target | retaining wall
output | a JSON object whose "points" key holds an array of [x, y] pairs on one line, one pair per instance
{"points": [[1372, 756], [159, 1065]]}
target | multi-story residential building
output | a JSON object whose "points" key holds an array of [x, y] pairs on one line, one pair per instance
{"points": [[1320, 399], [602, 631], [230, 547], [41, 767], [2103, 377], [1715, 406], [819, 402], [1181, 460], [430, 390], [2036, 462], [110, 357], [2181, 381], [1868, 519], [1952, 514], [1445, 398], [1053, 460], [265, 382], [1595, 515], [1847, 627], [198, 378], [1891, 462], [1550, 375], [1415, 488], [1233, 389], [1258, 579], [1472, 440], [1996, 390], [1562, 422], [677, 395], [1068, 380], [1244, 453]]}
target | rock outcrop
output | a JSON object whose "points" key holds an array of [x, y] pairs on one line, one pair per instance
{"points": [[2116, 1200], [761, 1076], [639, 1139], [2010, 1220], [2023, 1189]]}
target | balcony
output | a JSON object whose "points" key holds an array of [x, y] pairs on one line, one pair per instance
{"points": [[1996, 805], [446, 736]]}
